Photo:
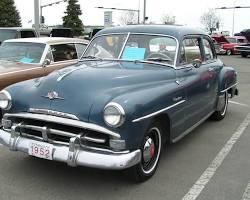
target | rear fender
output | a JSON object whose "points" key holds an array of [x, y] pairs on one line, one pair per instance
{"points": [[228, 82]]}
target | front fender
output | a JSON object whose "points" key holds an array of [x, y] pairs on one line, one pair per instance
{"points": [[139, 103]]}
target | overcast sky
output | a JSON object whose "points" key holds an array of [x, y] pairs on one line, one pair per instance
{"points": [[187, 12]]}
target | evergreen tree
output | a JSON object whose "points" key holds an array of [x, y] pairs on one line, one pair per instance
{"points": [[71, 19], [9, 15]]}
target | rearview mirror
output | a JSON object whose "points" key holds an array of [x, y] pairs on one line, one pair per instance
{"points": [[197, 63]]}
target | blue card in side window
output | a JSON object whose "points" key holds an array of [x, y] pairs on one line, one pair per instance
{"points": [[132, 53]]}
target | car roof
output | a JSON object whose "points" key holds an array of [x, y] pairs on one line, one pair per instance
{"points": [[48, 40], [172, 30]]}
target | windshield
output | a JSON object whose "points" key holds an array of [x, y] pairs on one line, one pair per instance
{"points": [[7, 34], [154, 48], [22, 52], [232, 40]]}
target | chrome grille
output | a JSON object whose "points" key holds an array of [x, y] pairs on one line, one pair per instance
{"points": [[49, 130]]}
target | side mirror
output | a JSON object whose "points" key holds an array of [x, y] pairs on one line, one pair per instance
{"points": [[197, 63], [46, 62]]}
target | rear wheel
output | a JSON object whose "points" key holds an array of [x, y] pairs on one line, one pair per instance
{"points": [[151, 149], [221, 113]]}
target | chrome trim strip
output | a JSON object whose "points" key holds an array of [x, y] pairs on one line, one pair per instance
{"points": [[48, 130], [53, 113], [92, 139], [75, 156], [23, 70], [192, 128], [63, 121], [69, 72], [229, 87], [158, 112]]}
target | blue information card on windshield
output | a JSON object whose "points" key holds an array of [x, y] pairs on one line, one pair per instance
{"points": [[26, 60], [132, 53]]}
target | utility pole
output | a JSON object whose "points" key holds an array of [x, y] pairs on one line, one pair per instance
{"points": [[234, 7], [144, 12], [36, 16]]}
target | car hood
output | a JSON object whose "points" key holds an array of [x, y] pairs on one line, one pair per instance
{"points": [[220, 39], [81, 86], [8, 66]]}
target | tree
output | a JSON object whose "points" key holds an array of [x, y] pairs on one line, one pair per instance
{"points": [[129, 17], [168, 19], [9, 15], [210, 20], [71, 19]]}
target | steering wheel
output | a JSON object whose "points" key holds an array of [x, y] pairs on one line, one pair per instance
{"points": [[159, 55]]}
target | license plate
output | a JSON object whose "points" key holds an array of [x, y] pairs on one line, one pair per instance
{"points": [[41, 150]]}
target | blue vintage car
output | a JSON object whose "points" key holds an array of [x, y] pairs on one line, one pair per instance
{"points": [[135, 88]]}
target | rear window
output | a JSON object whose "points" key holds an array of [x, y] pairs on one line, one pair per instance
{"points": [[7, 34], [27, 34]]}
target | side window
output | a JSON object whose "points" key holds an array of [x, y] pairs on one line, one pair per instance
{"points": [[63, 52], [80, 49], [191, 50], [208, 50], [27, 34]]}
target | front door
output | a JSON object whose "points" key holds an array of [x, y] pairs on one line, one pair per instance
{"points": [[198, 81]]}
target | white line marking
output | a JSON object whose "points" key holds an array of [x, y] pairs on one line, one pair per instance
{"points": [[200, 184], [246, 195], [240, 104]]}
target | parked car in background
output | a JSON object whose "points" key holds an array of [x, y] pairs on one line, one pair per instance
{"points": [[135, 88], [218, 48], [244, 49], [16, 32], [23, 59], [228, 43], [233, 41]]}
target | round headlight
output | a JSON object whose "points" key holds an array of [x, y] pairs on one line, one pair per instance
{"points": [[5, 100], [114, 114]]}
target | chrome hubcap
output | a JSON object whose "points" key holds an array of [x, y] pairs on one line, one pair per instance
{"points": [[148, 150], [151, 150]]}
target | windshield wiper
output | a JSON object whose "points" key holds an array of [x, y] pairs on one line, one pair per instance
{"points": [[158, 59], [90, 57]]}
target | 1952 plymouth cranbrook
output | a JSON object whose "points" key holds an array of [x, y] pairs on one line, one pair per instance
{"points": [[135, 88]]}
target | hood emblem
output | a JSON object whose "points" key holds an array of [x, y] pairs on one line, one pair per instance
{"points": [[53, 95]]}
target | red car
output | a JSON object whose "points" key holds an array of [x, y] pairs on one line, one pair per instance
{"points": [[228, 43]]}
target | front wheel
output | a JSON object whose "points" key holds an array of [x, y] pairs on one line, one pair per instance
{"points": [[151, 149], [221, 112], [229, 52]]}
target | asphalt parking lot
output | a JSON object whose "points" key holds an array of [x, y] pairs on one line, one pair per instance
{"points": [[211, 163]]}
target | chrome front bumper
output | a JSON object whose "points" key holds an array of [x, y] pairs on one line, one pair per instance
{"points": [[74, 155]]}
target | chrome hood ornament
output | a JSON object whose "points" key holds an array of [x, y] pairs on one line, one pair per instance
{"points": [[53, 95]]}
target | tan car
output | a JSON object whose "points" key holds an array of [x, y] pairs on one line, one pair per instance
{"points": [[23, 59]]}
